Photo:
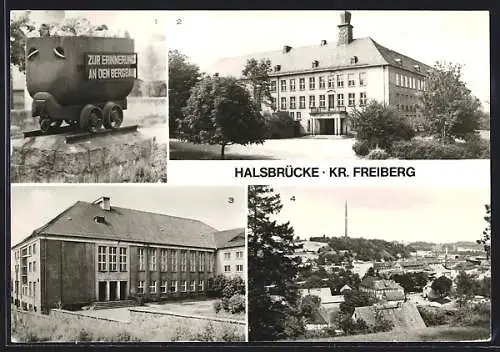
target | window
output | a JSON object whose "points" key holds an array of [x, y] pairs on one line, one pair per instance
{"points": [[192, 285], [292, 103], [283, 103], [362, 79], [302, 102], [227, 268], [201, 285], [112, 258], [321, 101], [152, 286], [152, 259], [123, 259], [101, 258], [340, 81], [331, 81], [140, 287], [302, 83], [292, 115], [239, 255], [227, 255], [406, 81], [273, 86], [192, 261], [398, 80], [362, 98], [312, 101], [340, 99], [183, 261], [210, 262], [34, 290], [173, 286], [351, 98], [298, 115], [183, 286], [283, 85], [163, 260], [34, 267], [142, 264], [239, 268], [29, 267], [292, 85], [322, 82], [312, 83], [173, 259], [163, 287], [331, 99], [29, 250], [350, 80], [29, 291], [34, 248], [202, 261]]}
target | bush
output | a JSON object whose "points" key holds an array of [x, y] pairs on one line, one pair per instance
{"points": [[281, 125], [361, 148], [208, 333], [237, 304], [233, 287], [217, 306], [477, 315], [378, 154], [381, 323], [432, 149], [433, 317]]}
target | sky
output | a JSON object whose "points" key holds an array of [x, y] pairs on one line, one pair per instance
{"points": [[428, 36], [392, 214], [34, 206]]}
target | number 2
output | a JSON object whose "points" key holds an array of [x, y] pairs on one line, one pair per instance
{"points": [[179, 21]]}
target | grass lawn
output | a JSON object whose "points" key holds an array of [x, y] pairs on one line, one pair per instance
{"points": [[190, 151], [430, 334], [203, 308]]}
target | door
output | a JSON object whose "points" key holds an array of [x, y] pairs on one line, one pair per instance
{"points": [[330, 126], [123, 290], [331, 99], [112, 290], [102, 291]]}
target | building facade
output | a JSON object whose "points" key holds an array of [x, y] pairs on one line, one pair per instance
{"points": [[93, 252], [382, 289], [231, 253], [322, 85]]}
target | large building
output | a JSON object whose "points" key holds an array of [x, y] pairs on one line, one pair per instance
{"points": [[96, 252], [230, 257], [320, 85]]}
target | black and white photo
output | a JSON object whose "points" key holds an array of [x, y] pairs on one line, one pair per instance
{"points": [[118, 264], [329, 85], [366, 264], [88, 96]]}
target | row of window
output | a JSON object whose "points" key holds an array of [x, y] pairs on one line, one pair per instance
{"points": [[330, 81], [28, 290], [107, 259], [32, 267], [239, 268], [178, 260], [172, 286], [31, 249], [292, 103], [409, 82], [227, 255]]}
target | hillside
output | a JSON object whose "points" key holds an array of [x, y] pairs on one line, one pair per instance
{"points": [[367, 249]]}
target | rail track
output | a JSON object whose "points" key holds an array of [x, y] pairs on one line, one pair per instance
{"points": [[74, 135]]}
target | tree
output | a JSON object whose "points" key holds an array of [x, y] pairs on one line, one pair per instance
{"points": [[271, 263], [220, 111], [257, 75], [20, 27], [466, 287], [380, 126], [449, 109], [353, 299], [182, 77], [486, 237], [442, 285], [370, 272], [309, 306]]}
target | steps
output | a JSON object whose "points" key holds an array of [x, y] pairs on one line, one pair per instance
{"points": [[113, 304]]}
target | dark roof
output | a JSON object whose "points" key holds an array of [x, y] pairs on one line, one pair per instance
{"points": [[329, 56], [406, 316], [379, 284], [230, 238], [128, 225], [394, 296]]}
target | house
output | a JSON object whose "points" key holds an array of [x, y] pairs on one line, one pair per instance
{"points": [[330, 304], [403, 316], [381, 289], [230, 257], [321, 84], [98, 252]]}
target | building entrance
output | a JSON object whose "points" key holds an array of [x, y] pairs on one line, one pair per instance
{"points": [[113, 285], [123, 290], [102, 291]]}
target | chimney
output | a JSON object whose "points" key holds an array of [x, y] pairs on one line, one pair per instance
{"points": [[104, 202], [286, 49], [345, 29]]}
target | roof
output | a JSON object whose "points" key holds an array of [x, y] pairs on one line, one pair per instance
{"points": [[329, 56], [406, 316], [324, 293], [394, 296], [345, 287], [379, 284], [230, 238], [128, 225]]}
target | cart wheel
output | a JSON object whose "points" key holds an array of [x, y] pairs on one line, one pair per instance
{"points": [[112, 115], [72, 122], [45, 124], [55, 123], [91, 118]]}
